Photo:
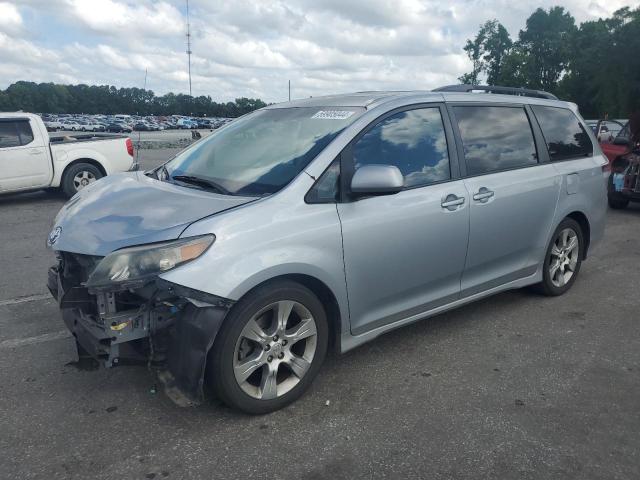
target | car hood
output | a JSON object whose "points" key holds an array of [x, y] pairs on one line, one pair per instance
{"points": [[128, 209]]}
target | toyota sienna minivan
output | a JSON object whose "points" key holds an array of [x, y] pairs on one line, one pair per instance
{"points": [[324, 222]]}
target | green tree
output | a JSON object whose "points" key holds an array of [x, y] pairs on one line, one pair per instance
{"points": [[545, 44], [475, 52], [53, 98], [497, 45], [487, 52]]}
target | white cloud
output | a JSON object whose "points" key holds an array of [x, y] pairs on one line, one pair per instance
{"points": [[10, 18], [129, 18], [253, 47]]}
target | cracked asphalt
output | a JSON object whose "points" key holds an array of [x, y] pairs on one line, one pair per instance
{"points": [[514, 386]]}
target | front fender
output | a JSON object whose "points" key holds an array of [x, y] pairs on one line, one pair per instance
{"points": [[261, 241]]}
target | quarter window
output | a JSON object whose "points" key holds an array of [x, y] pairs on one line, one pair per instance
{"points": [[24, 132], [564, 134], [495, 138], [414, 141], [327, 187]]}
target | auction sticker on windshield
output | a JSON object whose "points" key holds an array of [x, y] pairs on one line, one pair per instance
{"points": [[333, 114]]}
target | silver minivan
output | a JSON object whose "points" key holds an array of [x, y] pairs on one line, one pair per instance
{"points": [[325, 222]]}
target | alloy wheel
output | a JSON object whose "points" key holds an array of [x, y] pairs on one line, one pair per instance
{"points": [[564, 257], [275, 350], [82, 179]]}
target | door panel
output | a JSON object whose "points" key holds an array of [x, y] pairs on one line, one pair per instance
{"points": [[508, 230], [404, 253], [26, 165]]}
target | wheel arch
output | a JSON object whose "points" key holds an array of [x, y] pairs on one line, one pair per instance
{"points": [[585, 226], [90, 161], [321, 290]]}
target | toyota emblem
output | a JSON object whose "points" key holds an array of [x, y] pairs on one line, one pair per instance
{"points": [[54, 235]]}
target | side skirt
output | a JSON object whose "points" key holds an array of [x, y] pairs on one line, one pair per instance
{"points": [[349, 342]]}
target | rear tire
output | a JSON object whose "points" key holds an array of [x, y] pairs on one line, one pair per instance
{"points": [[78, 176], [617, 203], [563, 259], [282, 358]]}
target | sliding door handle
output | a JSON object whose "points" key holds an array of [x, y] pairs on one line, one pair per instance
{"points": [[483, 195]]}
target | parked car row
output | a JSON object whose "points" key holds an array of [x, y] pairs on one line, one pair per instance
{"points": [[127, 123]]}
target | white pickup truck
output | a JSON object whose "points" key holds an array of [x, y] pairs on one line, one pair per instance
{"points": [[30, 160]]}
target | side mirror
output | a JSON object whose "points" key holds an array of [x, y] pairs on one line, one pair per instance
{"points": [[377, 180], [621, 141]]}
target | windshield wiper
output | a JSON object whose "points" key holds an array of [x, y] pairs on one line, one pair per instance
{"points": [[203, 182]]}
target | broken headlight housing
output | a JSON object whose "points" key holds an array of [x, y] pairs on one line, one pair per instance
{"points": [[138, 263]]}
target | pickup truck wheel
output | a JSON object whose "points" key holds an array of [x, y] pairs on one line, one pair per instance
{"points": [[269, 349], [563, 259], [78, 176]]}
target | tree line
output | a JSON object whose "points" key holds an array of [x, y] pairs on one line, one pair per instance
{"points": [[595, 64], [106, 99]]}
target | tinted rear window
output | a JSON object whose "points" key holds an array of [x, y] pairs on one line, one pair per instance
{"points": [[495, 138], [564, 134]]}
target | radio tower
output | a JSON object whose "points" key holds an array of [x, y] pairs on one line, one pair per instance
{"points": [[189, 47]]}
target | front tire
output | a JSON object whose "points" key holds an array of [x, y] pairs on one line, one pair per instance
{"points": [[563, 259], [269, 349], [78, 176]]}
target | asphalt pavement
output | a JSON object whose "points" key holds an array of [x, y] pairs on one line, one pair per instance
{"points": [[514, 386]]}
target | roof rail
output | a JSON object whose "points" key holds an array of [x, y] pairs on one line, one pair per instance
{"points": [[523, 92]]}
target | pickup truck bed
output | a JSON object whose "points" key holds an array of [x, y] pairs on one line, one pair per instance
{"points": [[85, 137]]}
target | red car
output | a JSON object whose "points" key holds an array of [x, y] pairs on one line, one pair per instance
{"points": [[624, 163]]}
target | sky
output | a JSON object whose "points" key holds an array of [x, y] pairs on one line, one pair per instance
{"points": [[252, 48]]}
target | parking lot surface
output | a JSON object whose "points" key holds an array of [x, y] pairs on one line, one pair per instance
{"points": [[515, 386]]}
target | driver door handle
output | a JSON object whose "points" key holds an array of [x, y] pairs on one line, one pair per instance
{"points": [[451, 202]]}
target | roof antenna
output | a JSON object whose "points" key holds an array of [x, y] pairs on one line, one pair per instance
{"points": [[189, 47]]}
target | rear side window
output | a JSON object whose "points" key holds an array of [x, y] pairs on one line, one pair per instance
{"points": [[413, 140], [24, 132], [495, 138], [15, 133], [564, 134]]}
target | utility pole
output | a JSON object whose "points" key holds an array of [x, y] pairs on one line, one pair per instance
{"points": [[189, 47], [289, 90]]}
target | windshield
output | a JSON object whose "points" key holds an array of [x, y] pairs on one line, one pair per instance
{"points": [[262, 152]]}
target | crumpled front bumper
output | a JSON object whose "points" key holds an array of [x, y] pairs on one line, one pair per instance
{"points": [[169, 326]]}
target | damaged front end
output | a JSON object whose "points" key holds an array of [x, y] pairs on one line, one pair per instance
{"points": [[131, 315]]}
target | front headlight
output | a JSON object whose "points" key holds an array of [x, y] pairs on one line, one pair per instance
{"points": [[137, 263]]}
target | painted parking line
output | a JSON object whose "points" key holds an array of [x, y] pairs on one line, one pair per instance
{"points": [[30, 298], [46, 337]]}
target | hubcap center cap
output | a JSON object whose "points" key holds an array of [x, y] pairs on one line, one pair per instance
{"points": [[276, 348]]}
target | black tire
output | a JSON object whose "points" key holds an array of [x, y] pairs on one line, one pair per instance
{"points": [[547, 286], [617, 202], [67, 184], [615, 199], [220, 373]]}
